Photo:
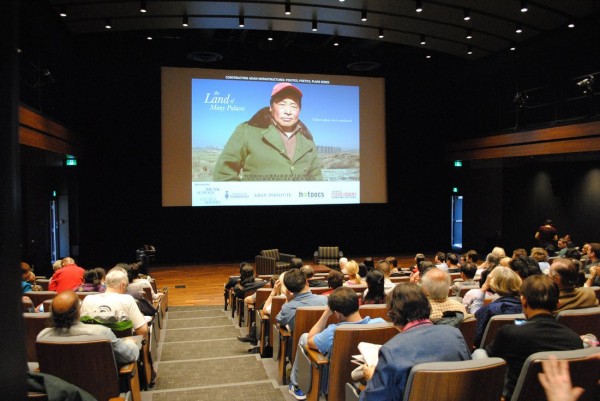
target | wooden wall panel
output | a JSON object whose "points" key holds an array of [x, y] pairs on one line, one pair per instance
{"points": [[40, 132], [568, 139]]}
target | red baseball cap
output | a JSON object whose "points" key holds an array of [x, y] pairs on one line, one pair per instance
{"points": [[285, 86]]}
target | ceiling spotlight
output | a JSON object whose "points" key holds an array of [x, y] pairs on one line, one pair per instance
{"points": [[288, 9], [428, 56], [149, 37], [185, 22], [419, 6], [143, 8], [423, 41], [380, 33], [314, 26], [524, 8], [513, 47], [587, 85], [467, 14], [336, 43], [62, 12], [363, 15], [469, 34], [519, 28], [241, 21], [571, 24], [469, 50], [107, 23]]}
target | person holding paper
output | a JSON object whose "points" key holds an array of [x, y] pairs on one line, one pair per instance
{"points": [[419, 341], [274, 145], [343, 302]]}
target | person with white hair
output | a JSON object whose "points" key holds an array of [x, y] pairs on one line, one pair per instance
{"points": [[343, 263], [114, 308]]}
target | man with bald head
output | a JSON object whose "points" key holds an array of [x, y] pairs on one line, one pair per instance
{"points": [[66, 309], [69, 277], [435, 284], [564, 273]]}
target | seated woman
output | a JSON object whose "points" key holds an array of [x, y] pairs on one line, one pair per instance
{"points": [[92, 282], [375, 293], [353, 276], [506, 284]]}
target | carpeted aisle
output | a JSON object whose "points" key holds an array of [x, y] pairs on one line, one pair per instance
{"points": [[200, 359]]}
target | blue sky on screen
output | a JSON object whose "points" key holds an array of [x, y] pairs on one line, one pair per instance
{"points": [[331, 112]]}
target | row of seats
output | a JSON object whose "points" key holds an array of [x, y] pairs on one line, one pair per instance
{"points": [[87, 361]]}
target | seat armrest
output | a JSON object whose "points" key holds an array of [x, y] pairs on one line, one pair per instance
{"points": [[286, 257], [128, 368], [283, 332], [315, 356]]}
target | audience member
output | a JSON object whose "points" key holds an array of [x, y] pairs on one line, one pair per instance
{"points": [[353, 276], [541, 332], [369, 263], [506, 283], [297, 294], [57, 265], [505, 261], [418, 273], [524, 267], [435, 284], [541, 257], [499, 252], [335, 279], [440, 261], [467, 272], [69, 277], [392, 262], [556, 380], [471, 256], [565, 274], [343, 303], [419, 341], [592, 267], [519, 252], [562, 247], [66, 310], [114, 308], [491, 261], [91, 282], [310, 276], [375, 293], [384, 267], [362, 269], [452, 262], [343, 262], [27, 278]]}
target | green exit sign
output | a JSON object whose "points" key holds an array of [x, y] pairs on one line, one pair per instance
{"points": [[457, 163], [71, 162]]}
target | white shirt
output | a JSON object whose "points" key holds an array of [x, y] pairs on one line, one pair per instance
{"points": [[113, 307]]}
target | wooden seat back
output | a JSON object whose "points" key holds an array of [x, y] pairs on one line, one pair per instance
{"points": [[460, 380], [494, 325], [467, 328], [306, 318], [34, 323], [581, 321], [584, 374], [374, 311], [85, 361], [38, 297]]}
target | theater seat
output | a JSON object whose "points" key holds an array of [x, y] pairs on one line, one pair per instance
{"points": [[89, 363], [473, 380]]}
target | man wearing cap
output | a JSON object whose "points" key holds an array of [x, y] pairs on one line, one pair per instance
{"points": [[274, 145]]}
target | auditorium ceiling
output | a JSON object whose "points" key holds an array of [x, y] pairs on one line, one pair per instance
{"points": [[460, 28]]}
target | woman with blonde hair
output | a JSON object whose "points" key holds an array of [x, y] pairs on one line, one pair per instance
{"points": [[505, 283], [353, 276]]}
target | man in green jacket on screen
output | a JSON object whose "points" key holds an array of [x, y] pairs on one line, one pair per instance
{"points": [[274, 145]]}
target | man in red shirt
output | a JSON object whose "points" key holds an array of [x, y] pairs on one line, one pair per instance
{"points": [[69, 277]]}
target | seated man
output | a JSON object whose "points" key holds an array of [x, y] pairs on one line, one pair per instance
{"points": [[310, 276], [419, 341], [335, 279], [467, 272], [297, 294], [514, 343], [66, 309], [343, 302], [436, 284], [565, 274], [114, 308]]}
